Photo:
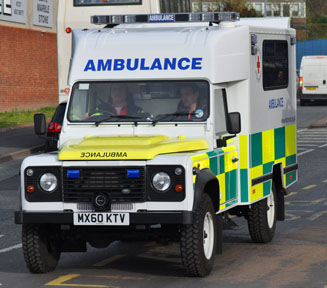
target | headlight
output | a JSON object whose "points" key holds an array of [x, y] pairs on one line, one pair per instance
{"points": [[161, 181], [48, 182]]}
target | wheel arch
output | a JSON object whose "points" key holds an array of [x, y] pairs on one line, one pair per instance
{"points": [[206, 182]]}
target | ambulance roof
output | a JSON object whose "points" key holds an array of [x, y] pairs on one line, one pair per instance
{"points": [[218, 53]]}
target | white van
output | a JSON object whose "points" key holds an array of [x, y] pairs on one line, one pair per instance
{"points": [[313, 78]]}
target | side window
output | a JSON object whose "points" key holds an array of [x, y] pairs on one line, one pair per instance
{"points": [[275, 64], [220, 112]]}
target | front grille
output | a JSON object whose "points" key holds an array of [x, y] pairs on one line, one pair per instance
{"points": [[110, 180]]}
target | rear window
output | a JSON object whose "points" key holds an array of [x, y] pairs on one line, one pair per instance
{"points": [[275, 64]]}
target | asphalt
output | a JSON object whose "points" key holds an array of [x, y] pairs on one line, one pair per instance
{"points": [[19, 142]]}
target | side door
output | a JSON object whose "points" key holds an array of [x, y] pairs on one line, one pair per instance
{"points": [[227, 156]]}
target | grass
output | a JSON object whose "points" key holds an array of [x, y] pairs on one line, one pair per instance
{"points": [[15, 118]]}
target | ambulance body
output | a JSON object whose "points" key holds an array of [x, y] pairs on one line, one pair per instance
{"points": [[168, 172], [313, 78]]}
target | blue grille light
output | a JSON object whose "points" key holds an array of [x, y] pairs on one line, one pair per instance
{"points": [[133, 173], [73, 174]]}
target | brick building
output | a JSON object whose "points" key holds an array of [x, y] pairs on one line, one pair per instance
{"points": [[28, 67]]}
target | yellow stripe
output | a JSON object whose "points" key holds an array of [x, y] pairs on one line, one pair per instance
{"points": [[229, 164], [60, 281], [268, 146], [290, 140], [244, 152], [257, 192], [200, 161]]}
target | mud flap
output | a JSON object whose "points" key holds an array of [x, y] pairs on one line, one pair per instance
{"points": [[219, 247], [280, 205]]}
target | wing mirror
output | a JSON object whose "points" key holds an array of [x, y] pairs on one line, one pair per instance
{"points": [[233, 128], [234, 123]]}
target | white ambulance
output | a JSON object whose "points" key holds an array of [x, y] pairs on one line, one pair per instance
{"points": [[173, 122], [313, 78]]}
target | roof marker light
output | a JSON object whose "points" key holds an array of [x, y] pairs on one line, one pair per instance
{"points": [[215, 17]]}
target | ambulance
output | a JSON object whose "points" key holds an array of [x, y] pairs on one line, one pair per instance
{"points": [[174, 122]]}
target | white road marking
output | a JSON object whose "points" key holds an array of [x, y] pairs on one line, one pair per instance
{"points": [[18, 246], [307, 141], [1, 235], [322, 146], [305, 152], [317, 215]]}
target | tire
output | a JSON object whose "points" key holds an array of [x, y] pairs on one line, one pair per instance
{"points": [[41, 248], [262, 218], [198, 241]]}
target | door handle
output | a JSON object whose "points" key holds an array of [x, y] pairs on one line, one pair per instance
{"points": [[234, 159], [324, 82]]}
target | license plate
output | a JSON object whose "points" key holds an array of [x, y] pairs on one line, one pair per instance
{"points": [[106, 219], [311, 88]]}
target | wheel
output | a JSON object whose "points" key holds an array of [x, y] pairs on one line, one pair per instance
{"points": [[198, 241], [41, 247], [262, 218]]}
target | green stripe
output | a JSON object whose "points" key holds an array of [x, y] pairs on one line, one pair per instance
{"points": [[244, 185], [266, 188], [221, 164], [279, 143], [290, 160], [288, 181], [267, 168], [231, 189], [256, 149], [213, 162]]}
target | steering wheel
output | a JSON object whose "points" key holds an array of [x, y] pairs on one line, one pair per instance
{"points": [[100, 113]]}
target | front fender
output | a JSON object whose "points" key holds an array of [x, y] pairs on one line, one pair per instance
{"points": [[206, 182]]}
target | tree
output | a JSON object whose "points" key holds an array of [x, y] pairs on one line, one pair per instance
{"points": [[315, 9]]}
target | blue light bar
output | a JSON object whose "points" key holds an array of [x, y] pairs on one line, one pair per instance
{"points": [[215, 17]]}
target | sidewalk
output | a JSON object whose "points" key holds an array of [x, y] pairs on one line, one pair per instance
{"points": [[19, 142]]}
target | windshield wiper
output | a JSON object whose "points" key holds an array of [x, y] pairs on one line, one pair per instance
{"points": [[155, 121], [116, 117]]}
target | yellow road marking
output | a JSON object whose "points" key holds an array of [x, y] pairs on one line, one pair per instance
{"points": [[60, 281], [291, 194], [309, 187]]}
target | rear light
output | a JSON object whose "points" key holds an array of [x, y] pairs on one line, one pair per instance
{"points": [[301, 83], [68, 30], [54, 127]]}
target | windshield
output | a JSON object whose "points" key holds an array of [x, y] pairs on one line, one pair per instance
{"points": [[164, 101]]}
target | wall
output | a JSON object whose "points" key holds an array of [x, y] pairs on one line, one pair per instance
{"points": [[312, 47], [28, 66], [28, 69]]}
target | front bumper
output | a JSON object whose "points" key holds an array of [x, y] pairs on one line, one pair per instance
{"points": [[183, 217], [305, 96]]}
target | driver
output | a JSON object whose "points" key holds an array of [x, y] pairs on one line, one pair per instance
{"points": [[120, 102], [189, 93]]}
